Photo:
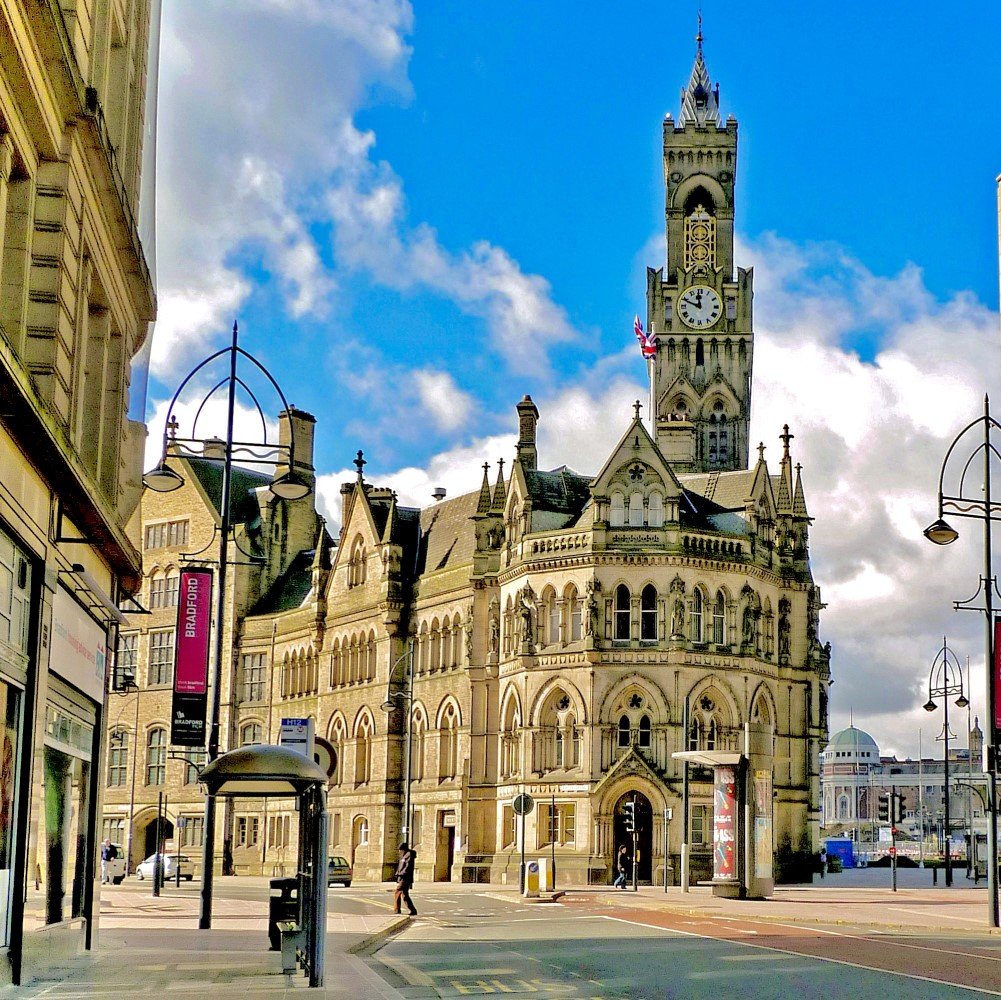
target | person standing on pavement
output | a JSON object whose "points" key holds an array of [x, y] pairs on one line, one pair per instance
{"points": [[405, 879], [621, 867], [108, 853]]}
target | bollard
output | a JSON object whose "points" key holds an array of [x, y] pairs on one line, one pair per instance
{"points": [[934, 875]]}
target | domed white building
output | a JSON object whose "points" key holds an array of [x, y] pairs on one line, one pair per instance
{"points": [[846, 764]]}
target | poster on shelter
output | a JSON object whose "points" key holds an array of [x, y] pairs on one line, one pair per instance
{"points": [[725, 824], [762, 824]]}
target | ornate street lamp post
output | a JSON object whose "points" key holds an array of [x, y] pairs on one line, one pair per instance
{"points": [[404, 699], [973, 499], [945, 679], [288, 485]]}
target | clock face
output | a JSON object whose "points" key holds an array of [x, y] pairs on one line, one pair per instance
{"points": [[699, 307]]}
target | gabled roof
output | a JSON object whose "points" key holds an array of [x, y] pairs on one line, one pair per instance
{"points": [[243, 504], [448, 536], [635, 444]]}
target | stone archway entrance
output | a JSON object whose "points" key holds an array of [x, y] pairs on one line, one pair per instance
{"points": [[146, 837], [644, 839]]}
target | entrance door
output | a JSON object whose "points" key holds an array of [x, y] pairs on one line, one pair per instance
{"points": [[444, 854], [644, 831], [149, 836]]}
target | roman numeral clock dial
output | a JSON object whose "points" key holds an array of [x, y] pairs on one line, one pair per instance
{"points": [[699, 307]]}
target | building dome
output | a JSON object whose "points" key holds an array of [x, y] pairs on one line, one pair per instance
{"points": [[852, 744]]}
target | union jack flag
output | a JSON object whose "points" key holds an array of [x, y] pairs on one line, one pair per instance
{"points": [[648, 342]]}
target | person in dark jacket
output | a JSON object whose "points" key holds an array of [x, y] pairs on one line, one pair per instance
{"points": [[405, 878], [621, 867]]}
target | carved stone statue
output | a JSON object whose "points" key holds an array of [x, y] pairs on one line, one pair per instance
{"points": [[748, 626], [469, 635], [678, 619], [494, 627], [591, 607], [784, 630]]}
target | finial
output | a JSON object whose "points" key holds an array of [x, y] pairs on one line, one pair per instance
{"points": [[761, 451], [360, 463], [486, 468], [172, 426], [698, 37], [785, 437], [637, 406], [500, 467]]}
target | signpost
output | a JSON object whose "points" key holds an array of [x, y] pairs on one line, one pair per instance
{"points": [[522, 805], [668, 813]]}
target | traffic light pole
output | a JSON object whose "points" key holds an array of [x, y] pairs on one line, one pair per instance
{"points": [[635, 845]]}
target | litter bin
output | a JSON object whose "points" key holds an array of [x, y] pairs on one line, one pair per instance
{"points": [[283, 905]]}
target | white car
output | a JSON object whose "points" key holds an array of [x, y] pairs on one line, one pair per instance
{"points": [[171, 862]]}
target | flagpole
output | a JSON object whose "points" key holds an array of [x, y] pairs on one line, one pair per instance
{"points": [[651, 362]]}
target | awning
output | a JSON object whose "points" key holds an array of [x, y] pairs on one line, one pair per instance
{"points": [[709, 758]]}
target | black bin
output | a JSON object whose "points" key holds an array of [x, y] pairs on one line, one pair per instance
{"points": [[282, 905]]}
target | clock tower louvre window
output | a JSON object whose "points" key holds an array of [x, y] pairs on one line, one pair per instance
{"points": [[700, 240]]}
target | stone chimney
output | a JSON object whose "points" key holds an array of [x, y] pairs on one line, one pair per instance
{"points": [[295, 428], [214, 448], [528, 418]]}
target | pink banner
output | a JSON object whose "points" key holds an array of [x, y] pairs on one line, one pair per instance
{"points": [[996, 667], [725, 824], [194, 620]]}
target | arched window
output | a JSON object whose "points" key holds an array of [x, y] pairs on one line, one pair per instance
{"points": [[655, 510], [250, 733], [573, 738], [338, 736], [418, 729], [118, 758], [156, 756], [435, 645], [559, 747], [625, 734], [423, 649], [553, 614], [719, 619], [696, 617], [359, 834], [700, 353], [648, 613], [617, 512], [363, 751], [636, 510], [448, 744], [645, 729], [458, 634], [510, 740], [573, 601], [623, 612]]}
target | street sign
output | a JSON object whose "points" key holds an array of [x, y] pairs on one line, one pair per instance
{"points": [[523, 804], [297, 735]]}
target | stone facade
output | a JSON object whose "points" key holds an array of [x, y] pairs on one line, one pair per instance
{"points": [[549, 628], [76, 304]]}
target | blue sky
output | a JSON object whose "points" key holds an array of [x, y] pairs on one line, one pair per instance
{"points": [[420, 214]]}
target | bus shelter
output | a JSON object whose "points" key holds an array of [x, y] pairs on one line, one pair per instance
{"points": [[263, 770]]}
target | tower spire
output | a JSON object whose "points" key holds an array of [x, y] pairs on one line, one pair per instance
{"points": [[699, 101]]}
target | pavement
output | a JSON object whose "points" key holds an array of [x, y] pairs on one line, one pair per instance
{"points": [[150, 945]]}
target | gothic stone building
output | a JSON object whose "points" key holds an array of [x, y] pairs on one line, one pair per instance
{"points": [[558, 622]]}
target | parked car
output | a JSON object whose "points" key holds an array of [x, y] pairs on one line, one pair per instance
{"points": [[116, 866], [171, 862], [339, 872]]}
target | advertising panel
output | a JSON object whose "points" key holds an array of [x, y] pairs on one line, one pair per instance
{"points": [[191, 658], [725, 824], [997, 673], [79, 650], [763, 824]]}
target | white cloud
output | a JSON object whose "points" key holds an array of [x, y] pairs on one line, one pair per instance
{"points": [[446, 403], [259, 157]]}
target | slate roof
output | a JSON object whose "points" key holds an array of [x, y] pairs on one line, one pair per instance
{"points": [[448, 537], [243, 505], [729, 490], [561, 492], [290, 590]]}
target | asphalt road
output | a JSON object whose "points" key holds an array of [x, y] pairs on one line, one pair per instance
{"points": [[476, 944]]}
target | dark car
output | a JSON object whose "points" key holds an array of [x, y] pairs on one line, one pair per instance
{"points": [[339, 872]]}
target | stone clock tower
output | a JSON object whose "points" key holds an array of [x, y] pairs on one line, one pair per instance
{"points": [[701, 375]]}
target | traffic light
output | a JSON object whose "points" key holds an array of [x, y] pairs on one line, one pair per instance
{"points": [[884, 808], [898, 807], [629, 808]]}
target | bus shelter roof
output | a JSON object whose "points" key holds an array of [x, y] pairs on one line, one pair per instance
{"points": [[261, 769]]}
